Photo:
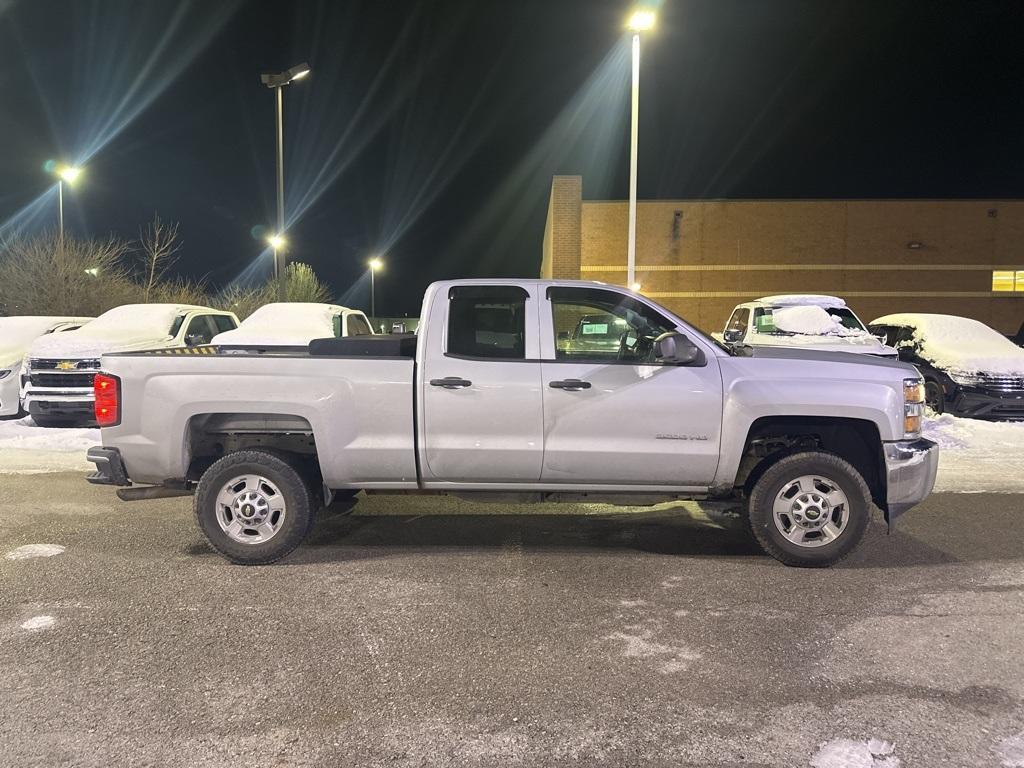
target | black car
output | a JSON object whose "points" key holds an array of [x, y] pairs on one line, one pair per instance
{"points": [[969, 369], [1019, 338]]}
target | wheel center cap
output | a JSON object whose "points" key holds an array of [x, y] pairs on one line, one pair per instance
{"points": [[248, 510]]}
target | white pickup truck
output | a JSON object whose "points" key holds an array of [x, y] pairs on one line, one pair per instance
{"points": [[58, 374], [494, 400]]}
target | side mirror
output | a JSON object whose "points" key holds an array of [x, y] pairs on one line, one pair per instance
{"points": [[563, 335], [194, 340], [732, 337], [676, 349]]}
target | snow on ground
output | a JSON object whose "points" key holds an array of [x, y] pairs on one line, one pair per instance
{"points": [[847, 753], [38, 622], [34, 550], [976, 456], [1011, 751], [27, 449]]}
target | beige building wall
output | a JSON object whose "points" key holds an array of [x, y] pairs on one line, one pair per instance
{"points": [[701, 258]]}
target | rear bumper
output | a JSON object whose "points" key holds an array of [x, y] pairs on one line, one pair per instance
{"points": [[109, 467], [910, 466]]}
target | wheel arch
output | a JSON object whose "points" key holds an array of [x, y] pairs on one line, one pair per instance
{"points": [[857, 441]]}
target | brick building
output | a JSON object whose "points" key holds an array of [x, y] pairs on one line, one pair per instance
{"points": [[702, 257]]}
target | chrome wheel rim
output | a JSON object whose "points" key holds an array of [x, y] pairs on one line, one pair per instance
{"points": [[250, 509], [811, 511]]}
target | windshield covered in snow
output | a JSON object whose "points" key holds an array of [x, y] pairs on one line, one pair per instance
{"points": [[20, 331], [807, 320]]}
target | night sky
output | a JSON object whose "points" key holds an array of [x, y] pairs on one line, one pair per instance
{"points": [[430, 130]]}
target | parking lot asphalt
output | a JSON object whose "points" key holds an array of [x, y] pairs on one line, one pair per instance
{"points": [[436, 632]]}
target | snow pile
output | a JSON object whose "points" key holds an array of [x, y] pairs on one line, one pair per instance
{"points": [[122, 328], [26, 448], [975, 455], [961, 344], [28, 551], [284, 325], [804, 300], [810, 320], [847, 753]]}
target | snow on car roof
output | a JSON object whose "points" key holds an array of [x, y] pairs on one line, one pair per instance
{"points": [[285, 324], [960, 343], [22, 329], [803, 300]]}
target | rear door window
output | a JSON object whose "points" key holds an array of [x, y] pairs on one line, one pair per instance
{"points": [[487, 321]]}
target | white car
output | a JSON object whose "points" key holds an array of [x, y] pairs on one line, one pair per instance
{"points": [[60, 368], [806, 321], [16, 335], [295, 325]]}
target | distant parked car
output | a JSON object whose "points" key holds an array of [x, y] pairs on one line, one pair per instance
{"points": [[295, 325], [16, 336], [808, 321], [969, 369], [60, 368]]}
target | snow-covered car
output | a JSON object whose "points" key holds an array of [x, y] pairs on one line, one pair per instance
{"points": [[295, 325], [808, 321], [58, 373], [16, 335], [969, 369]]}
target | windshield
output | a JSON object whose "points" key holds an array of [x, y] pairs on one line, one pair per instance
{"points": [[765, 321]]}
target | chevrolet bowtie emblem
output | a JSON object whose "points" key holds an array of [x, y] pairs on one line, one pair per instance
{"points": [[66, 365]]}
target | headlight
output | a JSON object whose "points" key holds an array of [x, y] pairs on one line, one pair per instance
{"points": [[913, 405], [967, 379]]}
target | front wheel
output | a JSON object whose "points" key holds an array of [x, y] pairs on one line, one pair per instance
{"points": [[255, 507], [810, 509], [934, 397]]}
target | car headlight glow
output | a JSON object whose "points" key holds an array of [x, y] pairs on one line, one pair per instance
{"points": [[966, 379], [913, 405]]}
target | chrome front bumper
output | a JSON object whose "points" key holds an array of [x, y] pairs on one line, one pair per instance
{"points": [[910, 467]]}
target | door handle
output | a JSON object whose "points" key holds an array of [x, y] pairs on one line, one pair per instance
{"points": [[451, 382], [570, 385]]}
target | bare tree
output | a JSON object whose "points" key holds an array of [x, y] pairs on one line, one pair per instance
{"points": [[159, 246]]}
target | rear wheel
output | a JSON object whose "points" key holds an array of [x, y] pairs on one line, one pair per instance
{"points": [[810, 509], [256, 506]]}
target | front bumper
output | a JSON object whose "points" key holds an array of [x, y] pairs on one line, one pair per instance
{"points": [[910, 467], [109, 467], [976, 403]]}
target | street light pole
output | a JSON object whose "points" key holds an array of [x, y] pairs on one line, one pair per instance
{"points": [[374, 264], [640, 21], [634, 129], [60, 208], [277, 81], [278, 253]]}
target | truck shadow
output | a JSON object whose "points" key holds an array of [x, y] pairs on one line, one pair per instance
{"points": [[669, 530]]}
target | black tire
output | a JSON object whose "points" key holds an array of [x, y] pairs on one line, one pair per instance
{"points": [[288, 474], [934, 396], [786, 470]]}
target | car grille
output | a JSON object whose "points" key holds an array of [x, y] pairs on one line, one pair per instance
{"points": [[61, 380], [55, 365], [1002, 383]]}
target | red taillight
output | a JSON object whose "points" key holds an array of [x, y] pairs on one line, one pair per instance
{"points": [[108, 399]]}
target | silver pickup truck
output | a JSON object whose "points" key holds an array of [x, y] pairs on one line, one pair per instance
{"points": [[496, 398]]}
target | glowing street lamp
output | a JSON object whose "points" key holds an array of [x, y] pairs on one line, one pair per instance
{"points": [[375, 264], [277, 81], [65, 174], [641, 20]]}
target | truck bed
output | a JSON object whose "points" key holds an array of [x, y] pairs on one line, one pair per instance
{"points": [[362, 403]]}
